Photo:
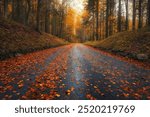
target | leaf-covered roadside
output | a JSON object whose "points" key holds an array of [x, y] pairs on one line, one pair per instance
{"points": [[16, 39], [128, 44]]}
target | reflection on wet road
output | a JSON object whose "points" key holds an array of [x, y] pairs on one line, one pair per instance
{"points": [[71, 72]]}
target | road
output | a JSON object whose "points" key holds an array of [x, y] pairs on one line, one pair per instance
{"points": [[72, 72]]}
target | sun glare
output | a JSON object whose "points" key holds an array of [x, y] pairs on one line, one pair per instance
{"points": [[77, 5]]}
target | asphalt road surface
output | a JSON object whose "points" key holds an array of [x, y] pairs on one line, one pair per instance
{"points": [[73, 72]]}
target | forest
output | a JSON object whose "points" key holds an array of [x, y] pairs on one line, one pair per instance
{"points": [[98, 19], [106, 17]]}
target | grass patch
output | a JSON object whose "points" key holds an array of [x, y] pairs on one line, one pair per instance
{"points": [[16, 38]]}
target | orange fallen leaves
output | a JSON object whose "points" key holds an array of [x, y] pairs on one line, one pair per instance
{"points": [[90, 97]]}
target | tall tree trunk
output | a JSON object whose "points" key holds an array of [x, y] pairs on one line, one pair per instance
{"points": [[119, 17], [134, 15], [38, 15], [140, 14], [127, 14], [1, 10], [93, 26], [54, 24], [18, 10], [111, 15], [28, 12], [61, 24], [13, 9], [5, 8], [148, 10], [47, 17], [100, 25], [97, 19], [104, 27], [107, 18]]}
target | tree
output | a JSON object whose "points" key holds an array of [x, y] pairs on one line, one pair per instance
{"points": [[127, 14], [63, 7], [5, 8], [140, 14], [18, 11], [134, 15], [93, 23], [47, 16], [119, 16], [107, 17], [97, 19], [148, 12], [91, 10], [39, 5], [28, 12], [111, 16], [13, 9]]}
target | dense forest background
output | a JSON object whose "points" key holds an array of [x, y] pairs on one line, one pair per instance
{"points": [[50, 16], [99, 19], [106, 17]]}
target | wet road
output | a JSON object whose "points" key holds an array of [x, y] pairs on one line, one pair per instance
{"points": [[72, 72]]}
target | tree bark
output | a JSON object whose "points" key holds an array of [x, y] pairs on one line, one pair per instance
{"points": [[100, 25], [140, 14], [38, 15], [19, 11], [97, 19], [47, 17], [119, 17], [61, 24], [93, 26], [148, 10], [127, 14], [134, 15], [13, 9], [5, 8], [111, 15], [28, 12], [107, 18]]}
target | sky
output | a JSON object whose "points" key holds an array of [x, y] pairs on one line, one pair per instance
{"points": [[77, 5]]}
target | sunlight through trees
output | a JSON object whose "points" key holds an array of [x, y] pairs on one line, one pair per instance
{"points": [[84, 19]]}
